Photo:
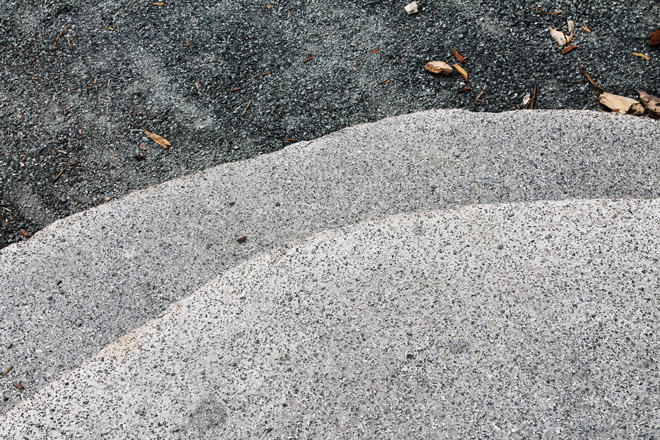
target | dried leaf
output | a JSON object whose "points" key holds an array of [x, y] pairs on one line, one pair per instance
{"points": [[157, 139], [462, 71], [439, 67], [641, 55], [412, 8], [458, 56], [621, 104], [652, 103], [558, 36], [654, 38], [567, 49]]}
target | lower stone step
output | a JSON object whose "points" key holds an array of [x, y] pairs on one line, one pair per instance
{"points": [[503, 321]]}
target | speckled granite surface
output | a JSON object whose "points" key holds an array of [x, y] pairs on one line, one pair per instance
{"points": [[84, 281], [538, 320]]}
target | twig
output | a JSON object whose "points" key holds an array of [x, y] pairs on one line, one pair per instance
{"points": [[247, 107], [59, 35], [532, 100], [591, 81]]}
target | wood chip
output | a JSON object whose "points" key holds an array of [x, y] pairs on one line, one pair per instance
{"points": [[585, 28], [465, 89], [621, 104], [462, 71], [568, 49], [9, 368], [457, 55], [654, 38], [439, 67], [411, 8], [554, 13], [374, 51], [267, 73], [159, 4], [641, 55], [290, 140], [157, 139], [242, 239], [25, 233], [18, 385], [652, 103], [142, 146], [236, 89]]}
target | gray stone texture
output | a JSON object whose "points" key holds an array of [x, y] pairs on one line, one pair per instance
{"points": [[515, 321], [86, 280]]}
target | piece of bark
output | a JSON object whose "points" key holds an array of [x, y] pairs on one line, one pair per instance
{"points": [[652, 103], [439, 67], [621, 104], [654, 38]]}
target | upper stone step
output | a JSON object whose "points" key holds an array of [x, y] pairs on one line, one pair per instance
{"points": [[86, 280], [501, 321]]}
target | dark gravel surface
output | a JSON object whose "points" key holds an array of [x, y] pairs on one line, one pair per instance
{"points": [[79, 79]]}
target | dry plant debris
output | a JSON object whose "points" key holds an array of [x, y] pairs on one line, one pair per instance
{"points": [[457, 55], [568, 49], [562, 38], [439, 67], [462, 71], [412, 8], [652, 103], [157, 139], [654, 38], [621, 104], [591, 81], [641, 55]]}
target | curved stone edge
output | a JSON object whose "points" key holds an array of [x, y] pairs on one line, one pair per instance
{"points": [[608, 243], [80, 285]]}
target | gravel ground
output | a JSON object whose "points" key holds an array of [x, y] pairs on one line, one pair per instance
{"points": [[228, 80]]}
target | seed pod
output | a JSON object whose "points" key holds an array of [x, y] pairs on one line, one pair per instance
{"points": [[439, 67]]}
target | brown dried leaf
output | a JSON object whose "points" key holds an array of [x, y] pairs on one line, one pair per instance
{"points": [[439, 67], [558, 36], [462, 71], [157, 139], [654, 38], [567, 49], [621, 104], [457, 55], [652, 103]]}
